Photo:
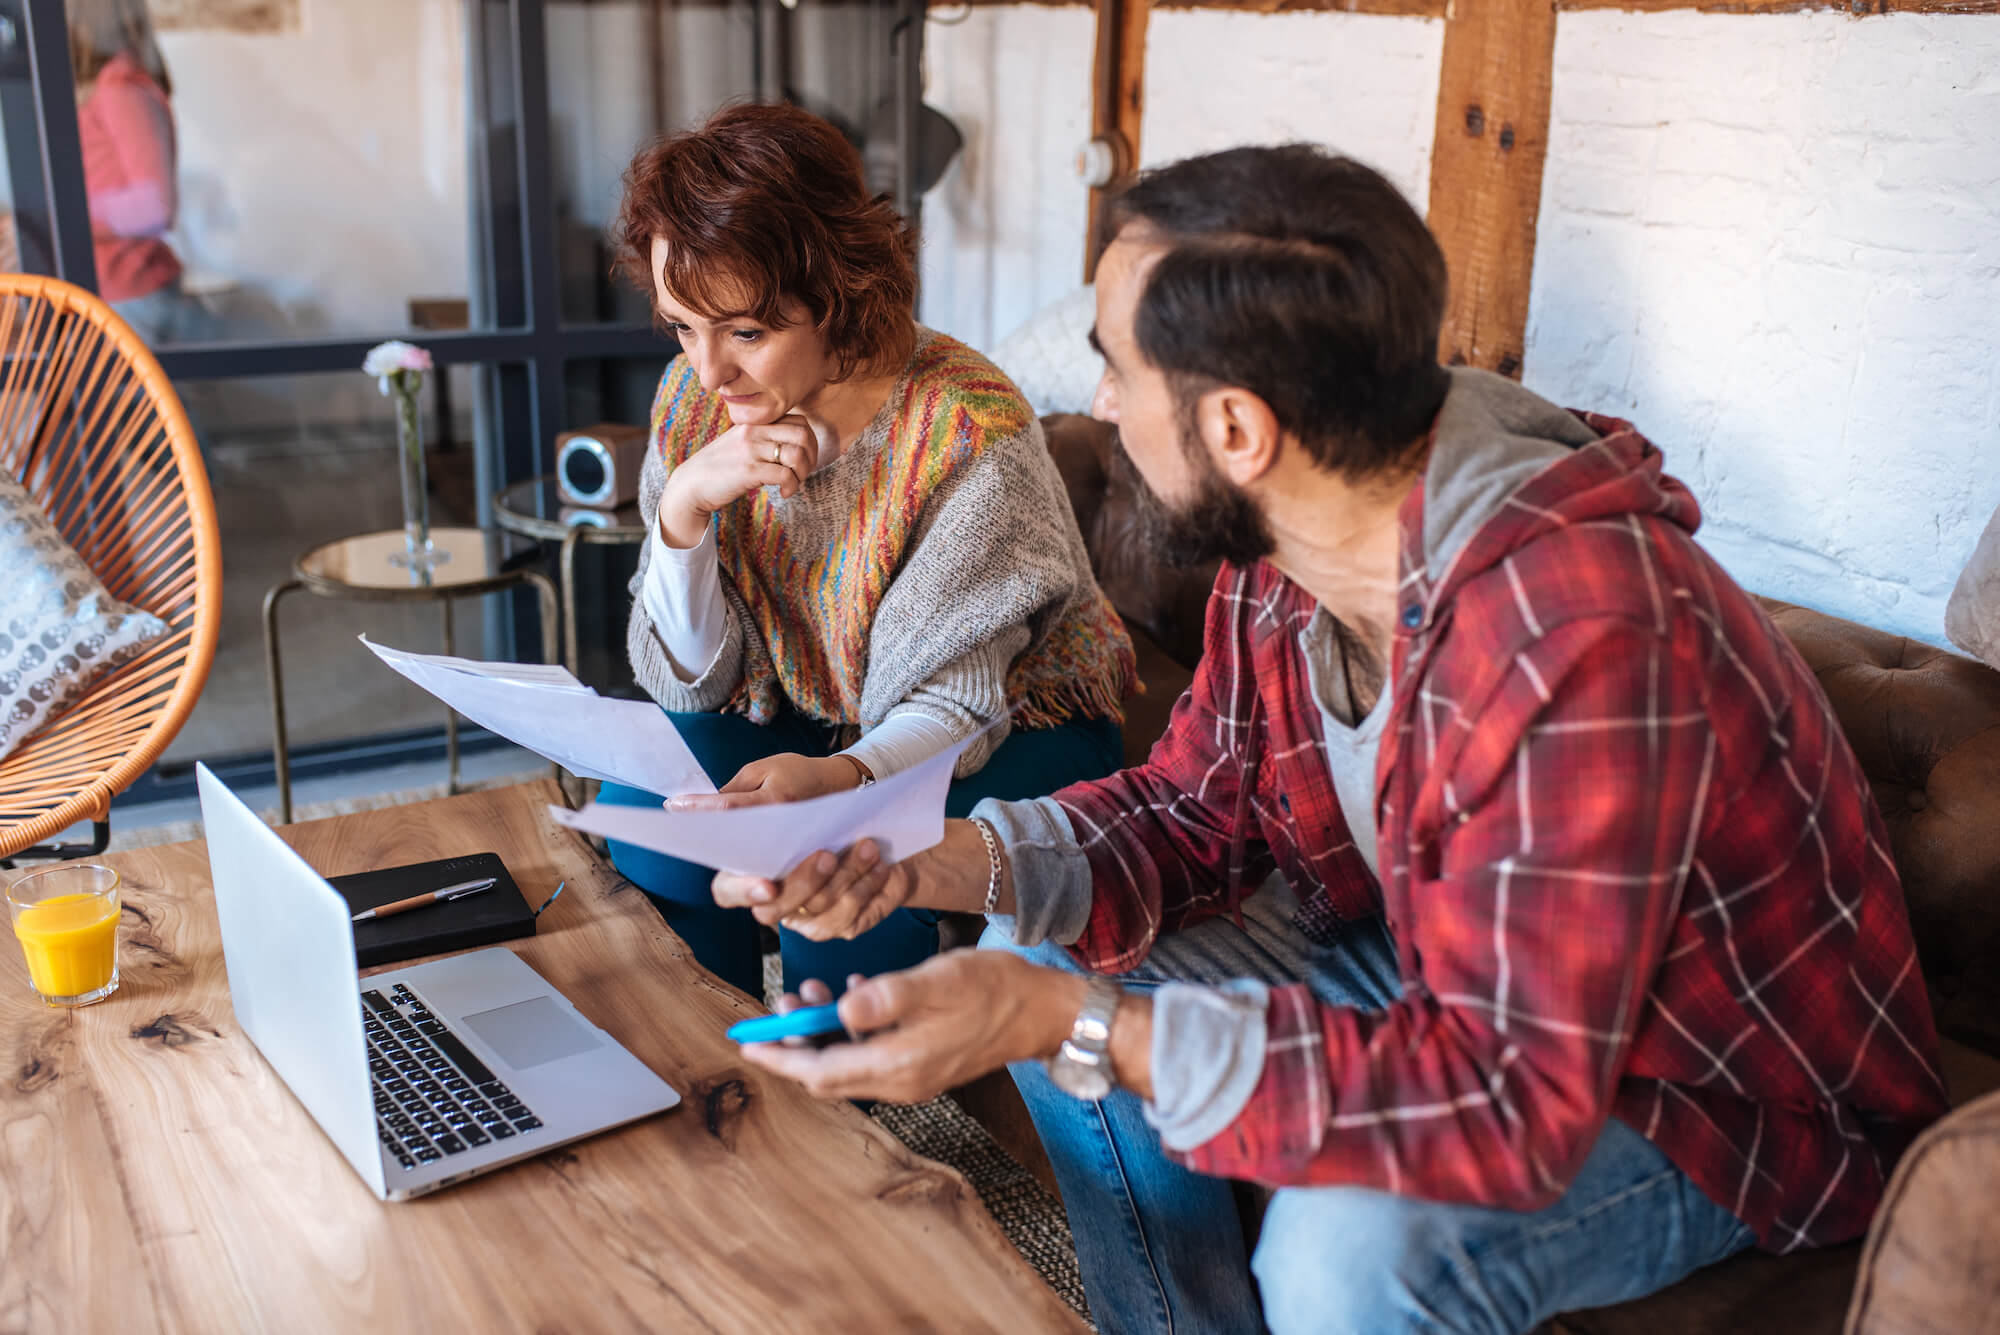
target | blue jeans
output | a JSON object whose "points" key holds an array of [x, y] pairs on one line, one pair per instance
{"points": [[168, 315], [728, 941], [1162, 1248]]}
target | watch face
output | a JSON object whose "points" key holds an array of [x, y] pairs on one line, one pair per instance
{"points": [[1078, 1079]]}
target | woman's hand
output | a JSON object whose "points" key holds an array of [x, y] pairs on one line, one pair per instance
{"points": [[826, 897], [781, 454], [785, 778], [835, 895]]}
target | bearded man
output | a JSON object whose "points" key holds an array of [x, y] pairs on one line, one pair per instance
{"points": [[1502, 894]]}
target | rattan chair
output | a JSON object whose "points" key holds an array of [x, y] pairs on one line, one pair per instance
{"points": [[92, 428]]}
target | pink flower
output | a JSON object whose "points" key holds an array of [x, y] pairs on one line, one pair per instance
{"points": [[389, 359]]}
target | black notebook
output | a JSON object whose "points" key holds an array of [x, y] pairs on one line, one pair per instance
{"points": [[499, 914]]}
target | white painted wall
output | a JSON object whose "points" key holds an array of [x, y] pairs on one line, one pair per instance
{"points": [[1363, 84], [323, 176], [1004, 228], [324, 168], [1773, 242], [1004, 231]]}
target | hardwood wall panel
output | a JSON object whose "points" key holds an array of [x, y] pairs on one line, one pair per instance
{"points": [[1486, 173], [1118, 98]]}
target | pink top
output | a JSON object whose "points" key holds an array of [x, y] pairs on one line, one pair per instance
{"points": [[128, 174]]}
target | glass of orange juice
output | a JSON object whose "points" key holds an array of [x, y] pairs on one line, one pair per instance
{"points": [[66, 917]]}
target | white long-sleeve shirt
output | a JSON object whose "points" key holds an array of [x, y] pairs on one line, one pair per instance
{"points": [[683, 596]]}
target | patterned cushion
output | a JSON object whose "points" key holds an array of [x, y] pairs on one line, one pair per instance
{"points": [[1049, 358], [59, 629], [1972, 617]]}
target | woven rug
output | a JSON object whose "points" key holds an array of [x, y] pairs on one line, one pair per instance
{"points": [[1032, 1219]]}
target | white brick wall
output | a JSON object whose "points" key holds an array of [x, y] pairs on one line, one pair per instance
{"points": [[1774, 243]]}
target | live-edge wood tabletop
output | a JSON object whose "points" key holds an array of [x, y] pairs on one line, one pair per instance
{"points": [[155, 1174]]}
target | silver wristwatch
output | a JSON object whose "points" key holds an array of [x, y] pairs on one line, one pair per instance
{"points": [[1082, 1066]]}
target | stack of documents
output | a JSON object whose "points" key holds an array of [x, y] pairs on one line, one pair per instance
{"points": [[551, 713], [633, 742], [903, 813]]}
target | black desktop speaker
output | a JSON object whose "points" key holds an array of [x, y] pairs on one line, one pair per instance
{"points": [[598, 467]]}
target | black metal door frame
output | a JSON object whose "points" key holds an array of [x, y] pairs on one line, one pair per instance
{"points": [[522, 338]]}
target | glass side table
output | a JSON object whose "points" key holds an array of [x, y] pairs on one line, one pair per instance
{"points": [[535, 509], [359, 569]]}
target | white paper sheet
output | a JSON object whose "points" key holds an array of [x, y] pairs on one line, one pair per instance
{"points": [[904, 813], [559, 718]]}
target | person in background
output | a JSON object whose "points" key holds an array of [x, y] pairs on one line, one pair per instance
{"points": [[126, 124], [861, 553]]}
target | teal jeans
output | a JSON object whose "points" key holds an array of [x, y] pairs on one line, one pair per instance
{"points": [[728, 941]]}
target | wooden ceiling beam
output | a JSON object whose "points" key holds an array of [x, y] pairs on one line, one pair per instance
{"points": [[1852, 8], [1437, 9], [1428, 9]]}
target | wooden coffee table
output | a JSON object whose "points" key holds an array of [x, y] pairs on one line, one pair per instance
{"points": [[156, 1175]]}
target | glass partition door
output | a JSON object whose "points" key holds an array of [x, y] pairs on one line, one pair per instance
{"points": [[265, 190]]}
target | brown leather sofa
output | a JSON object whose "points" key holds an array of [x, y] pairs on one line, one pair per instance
{"points": [[1926, 726]]}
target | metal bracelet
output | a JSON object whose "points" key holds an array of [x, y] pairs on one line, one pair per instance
{"points": [[992, 842]]}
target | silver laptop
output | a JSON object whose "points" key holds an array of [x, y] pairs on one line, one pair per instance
{"points": [[422, 1076]]}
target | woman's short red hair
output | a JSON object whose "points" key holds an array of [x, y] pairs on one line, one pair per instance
{"points": [[767, 201]]}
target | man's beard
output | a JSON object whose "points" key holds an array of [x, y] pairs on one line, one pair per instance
{"points": [[1218, 523]]}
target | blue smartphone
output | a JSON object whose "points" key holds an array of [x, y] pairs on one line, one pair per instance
{"points": [[819, 1025]]}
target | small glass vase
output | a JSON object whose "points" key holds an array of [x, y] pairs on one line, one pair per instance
{"points": [[418, 556]]}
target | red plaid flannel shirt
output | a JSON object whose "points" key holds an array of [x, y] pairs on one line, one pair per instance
{"points": [[1630, 863]]}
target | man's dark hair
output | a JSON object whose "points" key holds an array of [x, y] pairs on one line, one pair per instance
{"points": [[1305, 278]]}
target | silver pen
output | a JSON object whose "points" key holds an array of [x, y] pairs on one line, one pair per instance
{"points": [[450, 892]]}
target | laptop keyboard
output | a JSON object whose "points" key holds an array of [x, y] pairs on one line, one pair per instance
{"points": [[432, 1096]]}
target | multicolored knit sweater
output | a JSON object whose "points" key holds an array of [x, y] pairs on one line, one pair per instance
{"points": [[934, 566]]}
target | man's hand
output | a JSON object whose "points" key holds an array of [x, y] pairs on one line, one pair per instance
{"points": [[782, 454], [950, 1020], [830, 896], [784, 778], [824, 898]]}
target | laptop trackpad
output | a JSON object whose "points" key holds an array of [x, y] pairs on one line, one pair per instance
{"points": [[531, 1032]]}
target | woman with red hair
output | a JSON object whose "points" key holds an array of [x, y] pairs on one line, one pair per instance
{"points": [[861, 553]]}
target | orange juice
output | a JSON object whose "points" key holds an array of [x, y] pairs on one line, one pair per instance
{"points": [[72, 943]]}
